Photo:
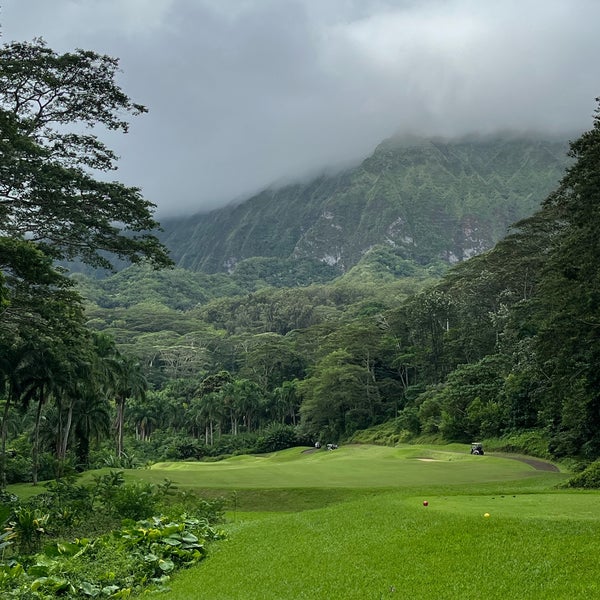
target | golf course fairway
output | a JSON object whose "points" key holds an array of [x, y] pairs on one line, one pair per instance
{"points": [[352, 524]]}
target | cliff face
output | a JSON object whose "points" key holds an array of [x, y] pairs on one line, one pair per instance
{"points": [[428, 200]]}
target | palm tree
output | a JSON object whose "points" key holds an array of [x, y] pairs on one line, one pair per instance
{"points": [[249, 400], [287, 401], [49, 380], [131, 383], [210, 411], [79, 383], [35, 378], [146, 414], [91, 421], [119, 376]]}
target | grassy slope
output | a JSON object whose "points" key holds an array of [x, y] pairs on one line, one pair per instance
{"points": [[368, 534]]}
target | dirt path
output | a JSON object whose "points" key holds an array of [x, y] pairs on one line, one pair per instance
{"points": [[538, 464]]}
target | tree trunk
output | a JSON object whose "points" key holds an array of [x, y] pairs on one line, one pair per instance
{"points": [[4, 433], [60, 430], [36, 439], [120, 417], [67, 431]]}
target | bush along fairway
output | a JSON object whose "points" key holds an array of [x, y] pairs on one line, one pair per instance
{"points": [[410, 522], [103, 540]]}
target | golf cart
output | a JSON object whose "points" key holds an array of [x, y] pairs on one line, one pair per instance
{"points": [[477, 448]]}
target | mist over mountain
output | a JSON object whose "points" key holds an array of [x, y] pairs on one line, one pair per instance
{"points": [[424, 199]]}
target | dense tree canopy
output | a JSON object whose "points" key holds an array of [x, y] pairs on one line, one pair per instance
{"points": [[503, 343], [50, 191]]}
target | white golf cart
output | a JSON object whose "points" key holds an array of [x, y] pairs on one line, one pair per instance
{"points": [[477, 448]]}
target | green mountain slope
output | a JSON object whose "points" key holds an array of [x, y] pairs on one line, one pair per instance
{"points": [[428, 200]]}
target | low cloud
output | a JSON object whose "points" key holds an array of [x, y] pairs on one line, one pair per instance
{"points": [[247, 92]]}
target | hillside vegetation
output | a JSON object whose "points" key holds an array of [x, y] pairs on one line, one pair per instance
{"points": [[466, 353], [428, 200], [282, 351]]}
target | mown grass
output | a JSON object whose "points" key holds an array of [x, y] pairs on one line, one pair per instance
{"points": [[355, 527], [389, 546], [355, 466], [351, 524]]}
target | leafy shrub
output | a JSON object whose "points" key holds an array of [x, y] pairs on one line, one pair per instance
{"points": [[188, 504], [105, 486], [123, 559], [26, 526], [532, 443], [125, 461], [276, 437], [589, 478], [389, 433], [18, 469], [244, 443], [136, 500], [189, 448], [114, 565], [67, 504], [7, 503]]}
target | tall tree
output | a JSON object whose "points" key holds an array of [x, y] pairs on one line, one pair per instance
{"points": [[335, 399], [130, 383], [50, 159], [91, 421]]}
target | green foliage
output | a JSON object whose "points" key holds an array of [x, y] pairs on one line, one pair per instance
{"points": [[53, 195], [277, 437], [56, 203], [26, 526], [589, 478], [181, 504], [256, 272], [458, 359], [177, 289], [529, 442], [136, 500], [115, 561], [391, 433], [139, 555], [125, 461]]}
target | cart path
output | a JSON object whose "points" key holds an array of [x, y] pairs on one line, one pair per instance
{"points": [[536, 463]]}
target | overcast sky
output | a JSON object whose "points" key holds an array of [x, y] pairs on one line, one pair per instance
{"points": [[243, 93]]}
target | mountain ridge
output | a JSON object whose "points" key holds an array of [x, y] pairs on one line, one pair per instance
{"points": [[428, 199]]}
